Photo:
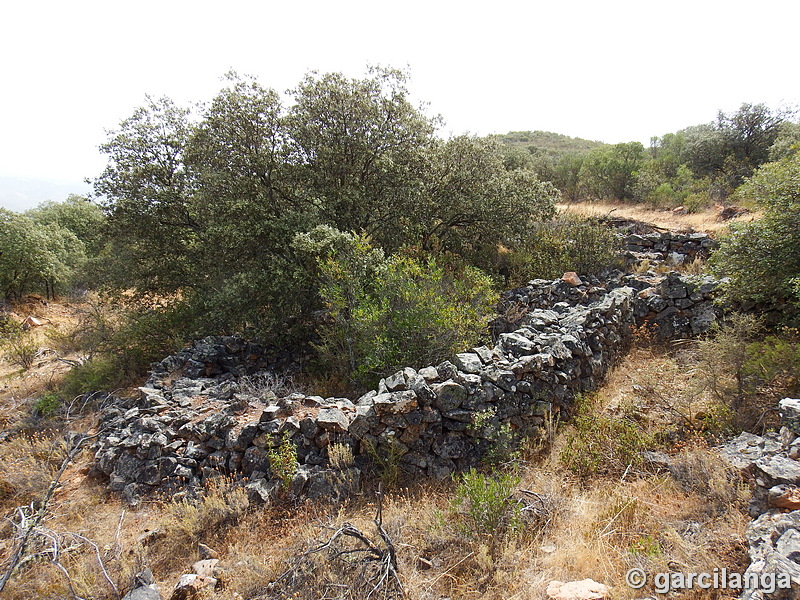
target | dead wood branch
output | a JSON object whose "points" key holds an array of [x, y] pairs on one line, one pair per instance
{"points": [[352, 565]]}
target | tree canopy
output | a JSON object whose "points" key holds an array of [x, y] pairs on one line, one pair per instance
{"points": [[762, 257], [208, 203]]}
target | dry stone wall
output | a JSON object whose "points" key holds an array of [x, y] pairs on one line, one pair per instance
{"points": [[199, 415], [668, 246]]}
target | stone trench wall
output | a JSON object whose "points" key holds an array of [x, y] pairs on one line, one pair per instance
{"points": [[667, 246], [200, 415]]}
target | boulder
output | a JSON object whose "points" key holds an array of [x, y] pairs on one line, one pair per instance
{"points": [[587, 589]]}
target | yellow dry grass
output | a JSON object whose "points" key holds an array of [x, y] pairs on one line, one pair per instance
{"points": [[707, 220]]}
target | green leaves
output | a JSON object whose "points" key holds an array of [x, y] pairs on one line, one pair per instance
{"points": [[762, 257], [35, 256], [384, 314], [211, 205]]}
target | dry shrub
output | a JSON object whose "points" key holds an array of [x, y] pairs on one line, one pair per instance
{"points": [[28, 464], [702, 471], [340, 456], [186, 522]]}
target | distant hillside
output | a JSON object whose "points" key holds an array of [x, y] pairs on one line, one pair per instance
{"points": [[21, 193], [555, 143]]}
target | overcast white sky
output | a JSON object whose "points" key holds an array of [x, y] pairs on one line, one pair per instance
{"points": [[613, 71]]}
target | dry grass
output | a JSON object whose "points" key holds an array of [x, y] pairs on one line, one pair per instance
{"points": [[707, 220]]}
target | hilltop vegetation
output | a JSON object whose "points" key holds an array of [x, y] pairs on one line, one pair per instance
{"points": [[283, 221], [339, 230]]}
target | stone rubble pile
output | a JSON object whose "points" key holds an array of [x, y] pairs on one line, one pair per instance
{"points": [[199, 415], [667, 246], [674, 305], [772, 464]]}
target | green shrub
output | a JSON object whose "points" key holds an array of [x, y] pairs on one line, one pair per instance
{"points": [[47, 405], [384, 314], [21, 349], [566, 243], [485, 505], [762, 257], [774, 363], [283, 460], [101, 373], [503, 444]]}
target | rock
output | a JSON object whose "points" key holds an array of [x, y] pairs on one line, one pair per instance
{"points": [[189, 586], [774, 540], [333, 419], [571, 277], [784, 496], [774, 470], [395, 403], [206, 552], [468, 362], [746, 448], [262, 491], [205, 567], [449, 395], [789, 409], [517, 344], [144, 587], [657, 460], [703, 317], [32, 322], [430, 374], [587, 589]]}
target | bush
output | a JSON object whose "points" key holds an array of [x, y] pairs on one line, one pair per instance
{"points": [[119, 343], [762, 257], [384, 314], [283, 460], [485, 504], [504, 446], [21, 350], [188, 521], [98, 374], [47, 405], [704, 472], [565, 244], [28, 465]]}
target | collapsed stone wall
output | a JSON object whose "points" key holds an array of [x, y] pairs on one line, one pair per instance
{"points": [[669, 246], [772, 464], [197, 416], [674, 305], [202, 412]]}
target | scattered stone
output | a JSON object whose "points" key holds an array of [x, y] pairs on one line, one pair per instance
{"points": [[189, 586], [32, 322], [774, 540], [746, 448], [785, 496], [206, 552]]}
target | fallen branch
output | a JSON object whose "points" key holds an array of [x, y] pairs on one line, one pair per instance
{"points": [[375, 561], [29, 525]]}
